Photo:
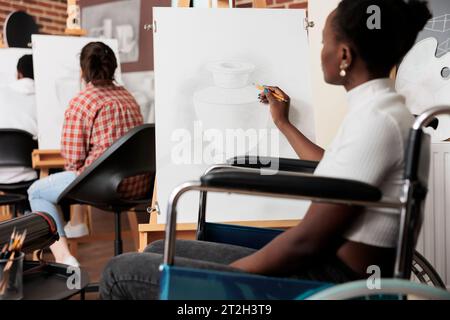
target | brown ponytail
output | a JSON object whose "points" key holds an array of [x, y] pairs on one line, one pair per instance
{"points": [[98, 63]]}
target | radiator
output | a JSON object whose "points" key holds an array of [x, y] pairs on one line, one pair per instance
{"points": [[434, 241]]}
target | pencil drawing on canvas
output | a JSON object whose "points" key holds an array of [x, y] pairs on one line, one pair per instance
{"points": [[231, 102]]}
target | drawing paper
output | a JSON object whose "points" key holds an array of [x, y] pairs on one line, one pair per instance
{"points": [[57, 72], [206, 62]]}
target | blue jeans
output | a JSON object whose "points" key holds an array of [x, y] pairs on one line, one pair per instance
{"points": [[44, 193]]}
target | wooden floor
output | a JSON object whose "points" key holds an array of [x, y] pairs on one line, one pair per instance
{"points": [[94, 256]]}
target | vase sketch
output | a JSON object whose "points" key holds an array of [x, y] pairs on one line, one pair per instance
{"points": [[232, 102]]}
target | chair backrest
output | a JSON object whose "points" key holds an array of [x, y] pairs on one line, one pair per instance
{"points": [[416, 175], [131, 155], [16, 147]]}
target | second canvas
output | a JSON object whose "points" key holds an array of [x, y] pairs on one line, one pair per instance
{"points": [[57, 73], [208, 66]]}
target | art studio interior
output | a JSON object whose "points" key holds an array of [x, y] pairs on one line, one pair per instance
{"points": [[225, 150]]}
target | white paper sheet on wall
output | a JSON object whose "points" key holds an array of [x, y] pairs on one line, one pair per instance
{"points": [[56, 62], [424, 74], [423, 79], [206, 61], [8, 63]]}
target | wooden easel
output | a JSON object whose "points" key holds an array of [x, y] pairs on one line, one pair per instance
{"points": [[73, 20], [259, 3], [223, 3], [153, 231]]}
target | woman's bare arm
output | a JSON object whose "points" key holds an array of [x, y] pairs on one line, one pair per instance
{"points": [[305, 148], [319, 234]]}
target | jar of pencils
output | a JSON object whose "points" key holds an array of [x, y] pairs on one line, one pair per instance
{"points": [[11, 277]]}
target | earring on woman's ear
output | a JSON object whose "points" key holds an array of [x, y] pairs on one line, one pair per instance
{"points": [[343, 72]]}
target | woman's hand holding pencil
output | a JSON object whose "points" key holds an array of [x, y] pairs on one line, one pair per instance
{"points": [[279, 103], [280, 96]]}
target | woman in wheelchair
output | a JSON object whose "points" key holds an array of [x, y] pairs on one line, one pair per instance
{"points": [[333, 243]]}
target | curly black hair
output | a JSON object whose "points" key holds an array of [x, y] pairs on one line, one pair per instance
{"points": [[381, 48]]}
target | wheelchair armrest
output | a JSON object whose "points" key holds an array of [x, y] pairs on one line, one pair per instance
{"points": [[282, 164], [292, 185]]}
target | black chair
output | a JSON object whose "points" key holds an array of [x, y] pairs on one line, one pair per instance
{"points": [[16, 147], [131, 155]]}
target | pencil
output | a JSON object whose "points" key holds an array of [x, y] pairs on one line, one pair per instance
{"points": [[276, 95]]}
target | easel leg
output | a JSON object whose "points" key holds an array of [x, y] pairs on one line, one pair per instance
{"points": [[143, 241], [44, 173], [88, 218], [73, 247], [184, 3], [133, 221], [77, 214]]}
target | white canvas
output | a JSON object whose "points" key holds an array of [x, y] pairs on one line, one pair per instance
{"points": [[56, 62], [8, 63], [268, 47]]}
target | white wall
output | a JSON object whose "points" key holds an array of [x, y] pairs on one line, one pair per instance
{"points": [[330, 104]]}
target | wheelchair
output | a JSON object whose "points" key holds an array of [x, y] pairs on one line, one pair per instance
{"points": [[294, 180]]}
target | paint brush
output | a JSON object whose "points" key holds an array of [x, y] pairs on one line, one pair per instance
{"points": [[276, 95]]}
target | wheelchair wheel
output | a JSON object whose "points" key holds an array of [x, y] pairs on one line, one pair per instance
{"points": [[423, 272]]}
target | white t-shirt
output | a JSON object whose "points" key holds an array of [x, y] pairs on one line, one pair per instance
{"points": [[18, 111], [370, 147]]}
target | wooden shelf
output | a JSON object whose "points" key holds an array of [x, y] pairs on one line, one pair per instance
{"points": [[75, 32]]}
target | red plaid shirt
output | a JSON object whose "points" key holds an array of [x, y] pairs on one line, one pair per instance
{"points": [[95, 119]]}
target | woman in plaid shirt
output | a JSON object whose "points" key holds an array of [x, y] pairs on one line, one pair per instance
{"points": [[95, 119]]}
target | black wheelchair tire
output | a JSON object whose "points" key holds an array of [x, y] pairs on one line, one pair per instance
{"points": [[425, 273]]}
